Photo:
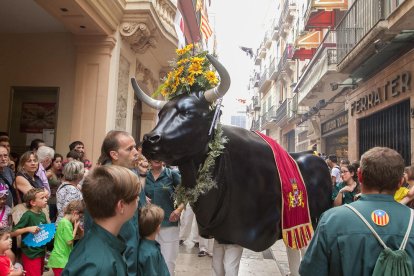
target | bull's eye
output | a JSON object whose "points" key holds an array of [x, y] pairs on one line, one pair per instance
{"points": [[186, 112]]}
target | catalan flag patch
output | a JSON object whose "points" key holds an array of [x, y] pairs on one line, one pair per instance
{"points": [[380, 217]]}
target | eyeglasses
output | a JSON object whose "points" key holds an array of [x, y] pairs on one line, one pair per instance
{"points": [[344, 171]]}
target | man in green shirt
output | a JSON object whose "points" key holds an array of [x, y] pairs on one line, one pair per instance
{"points": [[342, 243], [111, 197], [119, 148]]}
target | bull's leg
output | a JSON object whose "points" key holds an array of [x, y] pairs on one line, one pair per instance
{"points": [[294, 258]]}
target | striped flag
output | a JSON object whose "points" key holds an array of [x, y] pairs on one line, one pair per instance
{"points": [[205, 26], [380, 217], [179, 29]]}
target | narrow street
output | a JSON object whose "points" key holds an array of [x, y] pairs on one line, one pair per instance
{"points": [[270, 262]]}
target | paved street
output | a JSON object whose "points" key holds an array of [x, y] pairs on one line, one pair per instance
{"points": [[270, 262]]}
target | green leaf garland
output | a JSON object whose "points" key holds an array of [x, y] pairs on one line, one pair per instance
{"points": [[205, 181]]}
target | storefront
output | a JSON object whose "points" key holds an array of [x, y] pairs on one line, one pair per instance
{"points": [[380, 111], [335, 135]]}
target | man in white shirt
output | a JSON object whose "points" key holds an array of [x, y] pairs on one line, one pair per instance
{"points": [[335, 170]]}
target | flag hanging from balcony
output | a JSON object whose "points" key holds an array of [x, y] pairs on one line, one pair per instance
{"points": [[179, 29], [205, 26]]}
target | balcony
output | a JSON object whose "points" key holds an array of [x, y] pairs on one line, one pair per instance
{"points": [[254, 80], [267, 40], [292, 107], [255, 125], [314, 83], [257, 57], [256, 103], [282, 62], [281, 112], [275, 29], [287, 14], [268, 117], [264, 81], [272, 67], [367, 29]]}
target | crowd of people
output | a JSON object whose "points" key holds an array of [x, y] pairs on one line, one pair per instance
{"points": [[124, 195], [121, 215]]}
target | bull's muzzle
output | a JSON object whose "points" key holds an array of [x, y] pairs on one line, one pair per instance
{"points": [[152, 138]]}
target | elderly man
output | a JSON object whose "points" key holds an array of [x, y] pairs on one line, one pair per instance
{"points": [[344, 244], [6, 174], [44, 156], [119, 148]]}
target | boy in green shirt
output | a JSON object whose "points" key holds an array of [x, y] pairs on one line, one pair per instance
{"points": [[111, 197], [65, 234], [150, 260], [32, 257]]}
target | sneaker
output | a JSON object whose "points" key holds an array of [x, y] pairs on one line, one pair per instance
{"points": [[202, 253], [181, 242]]}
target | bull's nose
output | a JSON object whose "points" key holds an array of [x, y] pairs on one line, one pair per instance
{"points": [[154, 138]]}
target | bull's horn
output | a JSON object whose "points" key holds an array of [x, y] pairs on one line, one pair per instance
{"points": [[215, 93], [157, 104]]}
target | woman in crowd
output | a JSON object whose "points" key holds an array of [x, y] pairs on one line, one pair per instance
{"points": [[54, 176], [69, 189], [345, 191], [408, 185], [159, 187], [26, 178]]}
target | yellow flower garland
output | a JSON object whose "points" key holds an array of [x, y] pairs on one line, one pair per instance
{"points": [[191, 73]]}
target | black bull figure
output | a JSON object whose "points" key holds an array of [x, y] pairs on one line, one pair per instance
{"points": [[245, 208]]}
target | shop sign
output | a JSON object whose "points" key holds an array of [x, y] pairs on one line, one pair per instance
{"points": [[335, 123], [391, 89]]}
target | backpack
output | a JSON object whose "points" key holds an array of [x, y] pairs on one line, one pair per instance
{"points": [[391, 262]]}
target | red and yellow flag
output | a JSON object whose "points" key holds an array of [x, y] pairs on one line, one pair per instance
{"points": [[205, 26]]}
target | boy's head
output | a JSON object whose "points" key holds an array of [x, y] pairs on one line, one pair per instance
{"points": [[381, 169], [75, 208], [35, 198], [106, 188], [150, 218], [5, 242]]}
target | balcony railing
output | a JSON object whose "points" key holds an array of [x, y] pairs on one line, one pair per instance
{"points": [[284, 12], [272, 67], [275, 29], [256, 102], [361, 17], [332, 56], [269, 115], [263, 78], [281, 112], [292, 107], [287, 54], [325, 55], [256, 124]]}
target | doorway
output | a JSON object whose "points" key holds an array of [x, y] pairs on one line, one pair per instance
{"points": [[33, 114]]}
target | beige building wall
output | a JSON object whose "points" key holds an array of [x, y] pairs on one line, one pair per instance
{"points": [[39, 60], [403, 64]]}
